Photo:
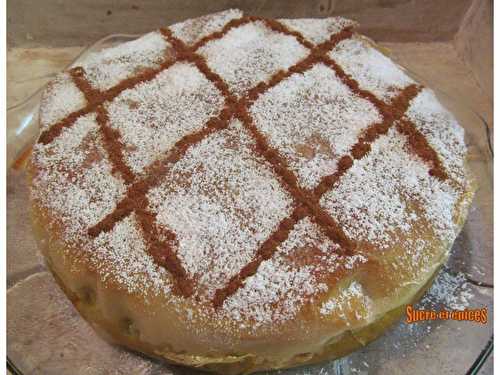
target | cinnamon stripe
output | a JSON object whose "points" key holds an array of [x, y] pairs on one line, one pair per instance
{"points": [[314, 57], [219, 34], [265, 252], [48, 135], [124, 208], [78, 76], [420, 146], [161, 250], [280, 28], [397, 108], [187, 54], [113, 145], [384, 108]]}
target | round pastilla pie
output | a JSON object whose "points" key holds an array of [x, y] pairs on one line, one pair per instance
{"points": [[238, 194]]}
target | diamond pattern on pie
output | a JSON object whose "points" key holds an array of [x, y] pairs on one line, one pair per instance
{"points": [[371, 69], [297, 272], [251, 53], [317, 30], [193, 30], [110, 66], [222, 200], [370, 201], [76, 170], [313, 119], [154, 115], [60, 98]]}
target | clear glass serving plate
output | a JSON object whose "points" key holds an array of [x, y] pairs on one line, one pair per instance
{"points": [[45, 334]]}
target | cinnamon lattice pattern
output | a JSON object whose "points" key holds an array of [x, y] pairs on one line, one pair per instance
{"points": [[306, 201]]}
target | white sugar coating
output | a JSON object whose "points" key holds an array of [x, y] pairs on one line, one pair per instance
{"points": [[106, 68], [370, 68], [317, 30], [222, 201], [282, 284], [420, 261], [442, 132], [273, 295], [449, 291], [60, 98], [251, 53], [121, 255], [154, 115], [304, 234], [74, 179], [348, 296], [376, 189], [61, 151], [192, 30], [313, 119]]}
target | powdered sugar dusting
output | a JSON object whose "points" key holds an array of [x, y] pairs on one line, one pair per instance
{"points": [[313, 119], [370, 68], [108, 67], [449, 291], [306, 233], [74, 178], [290, 279], [345, 302], [154, 115], [275, 284], [121, 255], [318, 30], [375, 192], [60, 98], [191, 31], [251, 53], [222, 201], [442, 131]]}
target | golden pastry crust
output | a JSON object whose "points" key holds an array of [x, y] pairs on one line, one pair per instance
{"points": [[193, 214]]}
